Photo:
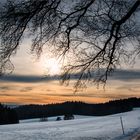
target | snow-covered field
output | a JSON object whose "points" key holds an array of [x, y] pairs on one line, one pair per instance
{"points": [[52, 119], [82, 128]]}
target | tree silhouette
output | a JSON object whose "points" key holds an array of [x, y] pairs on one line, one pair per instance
{"points": [[8, 115], [94, 35]]}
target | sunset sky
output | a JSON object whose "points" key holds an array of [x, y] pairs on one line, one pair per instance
{"points": [[26, 85]]}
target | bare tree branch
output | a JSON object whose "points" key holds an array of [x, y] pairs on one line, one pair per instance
{"points": [[93, 35]]}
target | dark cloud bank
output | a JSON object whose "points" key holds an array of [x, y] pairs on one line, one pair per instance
{"points": [[123, 75]]}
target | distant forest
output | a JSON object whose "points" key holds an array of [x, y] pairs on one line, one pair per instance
{"points": [[77, 108], [13, 115], [8, 115]]}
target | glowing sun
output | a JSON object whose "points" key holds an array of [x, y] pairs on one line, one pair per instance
{"points": [[51, 66]]}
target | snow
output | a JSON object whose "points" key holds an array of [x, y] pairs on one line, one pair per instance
{"points": [[81, 128], [53, 118]]}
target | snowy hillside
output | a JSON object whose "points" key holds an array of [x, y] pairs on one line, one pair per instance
{"points": [[85, 128], [53, 119]]}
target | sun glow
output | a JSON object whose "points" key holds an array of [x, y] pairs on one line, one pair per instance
{"points": [[51, 66]]}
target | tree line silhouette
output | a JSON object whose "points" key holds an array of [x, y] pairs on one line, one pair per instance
{"points": [[8, 115], [78, 108], [12, 115]]}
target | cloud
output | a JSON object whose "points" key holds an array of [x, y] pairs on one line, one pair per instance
{"points": [[123, 75], [26, 89], [4, 94], [5, 88], [130, 87], [24, 78]]}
